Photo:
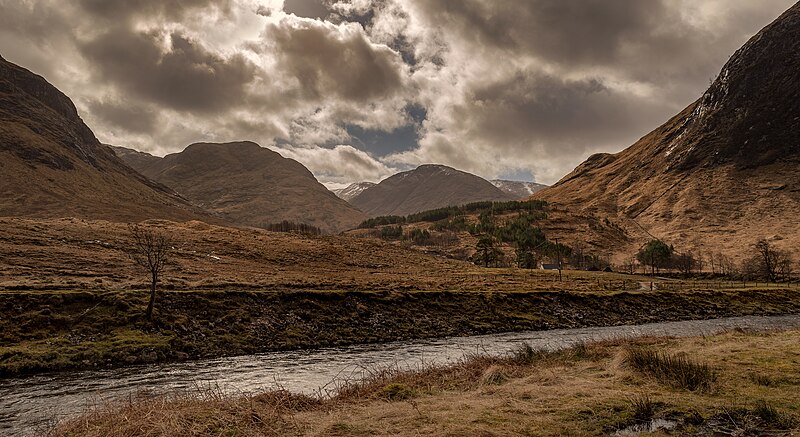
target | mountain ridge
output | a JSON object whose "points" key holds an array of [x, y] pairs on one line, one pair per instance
{"points": [[54, 166], [248, 184]]}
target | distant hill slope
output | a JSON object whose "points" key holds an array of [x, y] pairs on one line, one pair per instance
{"points": [[134, 158], [518, 189], [427, 187], [353, 190], [52, 165], [722, 173], [248, 185]]}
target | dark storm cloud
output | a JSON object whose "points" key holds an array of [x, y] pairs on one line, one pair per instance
{"points": [[135, 119], [547, 117], [523, 105], [326, 61], [184, 76], [588, 31]]}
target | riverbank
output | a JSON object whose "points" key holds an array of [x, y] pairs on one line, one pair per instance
{"points": [[48, 331], [737, 383]]}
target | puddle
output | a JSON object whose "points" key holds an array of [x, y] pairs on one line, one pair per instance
{"points": [[645, 428]]}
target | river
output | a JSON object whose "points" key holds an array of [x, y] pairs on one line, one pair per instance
{"points": [[30, 405]]}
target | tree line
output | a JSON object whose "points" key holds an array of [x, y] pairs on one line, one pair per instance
{"points": [[764, 261], [450, 212]]}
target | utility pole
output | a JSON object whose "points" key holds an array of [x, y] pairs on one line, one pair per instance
{"points": [[558, 251]]}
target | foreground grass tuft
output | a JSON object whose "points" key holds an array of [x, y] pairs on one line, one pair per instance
{"points": [[643, 408], [773, 417], [677, 369]]}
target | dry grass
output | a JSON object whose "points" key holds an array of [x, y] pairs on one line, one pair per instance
{"points": [[675, 369], [75, 254], [586, 390]]}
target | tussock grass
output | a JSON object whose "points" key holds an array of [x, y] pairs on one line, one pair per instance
{"points": [[643, 408], [385, 383], [679, 370], [763, 419], [771, 416]]}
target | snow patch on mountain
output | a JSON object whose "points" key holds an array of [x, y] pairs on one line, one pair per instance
{"points": [[353, 190], [519, 189]]}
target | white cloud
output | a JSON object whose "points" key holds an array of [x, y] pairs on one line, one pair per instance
{"points": [[340, 165]]}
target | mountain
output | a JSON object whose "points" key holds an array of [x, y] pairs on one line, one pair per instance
{"points": [[722, 173], [427, 187], [248, 185], [134, 158], [518, 189], [353, 190], [53, 166]]}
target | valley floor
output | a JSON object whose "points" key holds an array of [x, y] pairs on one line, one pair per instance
{"points": [[70, 298], [737, 383]]}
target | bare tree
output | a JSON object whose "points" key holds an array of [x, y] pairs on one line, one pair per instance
{"points": [[686, 263], [150, 251], [770, 262], [725, 265], [629, 266]]}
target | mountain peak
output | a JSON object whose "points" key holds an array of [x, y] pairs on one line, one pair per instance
{"points": [[750, 115], [429, 186], [698, 180], [249, 185]]}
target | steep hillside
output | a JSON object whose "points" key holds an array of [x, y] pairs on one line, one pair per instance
{"points": [[349, 192], [53, 166], [249, 185], [134, 158], [425, 188], [518, 189], [722, 173]]}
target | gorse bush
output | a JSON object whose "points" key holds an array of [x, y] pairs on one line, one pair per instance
{"points": [[677, 369]]}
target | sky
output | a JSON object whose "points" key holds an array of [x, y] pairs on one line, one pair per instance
{"points": [[358, 90]]}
